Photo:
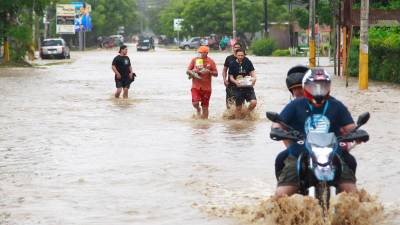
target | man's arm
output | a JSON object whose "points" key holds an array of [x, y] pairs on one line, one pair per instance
{"points": [[347, 129], [130, 72], [233, 80], [288, 112], [190, 67], [285, 142], [254, 77], [224, 75], [213, 70], [116, 71]]}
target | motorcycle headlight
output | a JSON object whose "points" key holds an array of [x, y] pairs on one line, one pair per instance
{"points": [[321, 153], [326, 172]]}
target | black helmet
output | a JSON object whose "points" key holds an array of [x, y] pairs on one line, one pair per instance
{"points": [[295, 76]]}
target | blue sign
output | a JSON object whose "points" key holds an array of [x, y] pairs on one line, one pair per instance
{"points": [[83, 20]]}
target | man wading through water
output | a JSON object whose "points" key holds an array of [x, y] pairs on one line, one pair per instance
{"points": [[124, 75], [243, 75], [200, 70], [230, 98]]}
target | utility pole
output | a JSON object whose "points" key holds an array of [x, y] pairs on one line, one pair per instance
{"points": [[234, 19], [266, 34], [290, 27], [363, 68], [6, 46], [339, 38], [312, 31]]}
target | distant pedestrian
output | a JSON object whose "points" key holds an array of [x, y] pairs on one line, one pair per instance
{"points": [[223, 44], [200, 70], [124, 75], [100, 41]]}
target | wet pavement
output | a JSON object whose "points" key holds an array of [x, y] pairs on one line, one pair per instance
{"points": [[72, 154]]}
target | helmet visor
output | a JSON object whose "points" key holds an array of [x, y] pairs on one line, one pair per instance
{"points": [[318, 88]]}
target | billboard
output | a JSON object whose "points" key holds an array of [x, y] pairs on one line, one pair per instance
{"points": [[65, 14], [83, 20], [73, 17]]}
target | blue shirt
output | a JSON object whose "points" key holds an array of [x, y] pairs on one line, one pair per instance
{"points": [[304, 117]]}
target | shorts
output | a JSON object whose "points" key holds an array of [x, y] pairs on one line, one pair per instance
{"points": [[202, 96], [288, 173], [124, 82], [244, 94], [230, 95]]}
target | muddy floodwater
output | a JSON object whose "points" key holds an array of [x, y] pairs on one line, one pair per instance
{"points": [[71, 154]]}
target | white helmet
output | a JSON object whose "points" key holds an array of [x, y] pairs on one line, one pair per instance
{"points": [[317, 85]]}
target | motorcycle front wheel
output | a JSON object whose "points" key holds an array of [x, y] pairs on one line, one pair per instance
{"points": [[323, 194]]}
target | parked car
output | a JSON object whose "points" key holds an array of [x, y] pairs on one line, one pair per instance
{"points": [[145, 44], [112, 41], [118, 36], [54, 47], [192, 43]]}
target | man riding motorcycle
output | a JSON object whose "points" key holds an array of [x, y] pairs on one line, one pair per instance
{"points": [[294, 84], [316, 112]]}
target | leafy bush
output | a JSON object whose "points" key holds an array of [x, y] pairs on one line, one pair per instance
{"points": [[383, 55], [263, 47], [392, 4], [281, 52], [21, 42], [354, 57]]}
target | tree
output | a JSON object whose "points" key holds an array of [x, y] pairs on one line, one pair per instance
{"points": [[167, 16], [108, 16], [202, 17], [16, 26]]}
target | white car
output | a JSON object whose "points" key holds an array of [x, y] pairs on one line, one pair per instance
{"points": [[54, 47]]}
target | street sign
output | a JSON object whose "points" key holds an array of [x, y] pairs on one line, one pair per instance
{"points": [[177, 24]]}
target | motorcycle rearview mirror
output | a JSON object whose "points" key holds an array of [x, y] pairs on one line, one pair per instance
{"points": [[274, 117], [363, 119]]}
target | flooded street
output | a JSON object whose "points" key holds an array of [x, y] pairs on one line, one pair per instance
{"points": [[71, 154]]}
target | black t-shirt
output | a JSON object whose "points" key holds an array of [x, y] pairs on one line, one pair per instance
{"points": [[228, 61], [122, 63], [243, 69]]}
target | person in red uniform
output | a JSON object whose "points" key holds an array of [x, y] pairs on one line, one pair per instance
{"points": [[200, 70]]}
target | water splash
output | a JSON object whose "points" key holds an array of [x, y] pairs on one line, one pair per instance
{"points": [[358, 208], [229, 114]]}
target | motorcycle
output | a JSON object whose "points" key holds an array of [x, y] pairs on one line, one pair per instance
{"points": [[320, 163]]}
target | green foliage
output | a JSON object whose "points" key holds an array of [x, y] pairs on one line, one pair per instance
{"points": [[21, 41], [203, 17], [107, 16], [281, 52], [301, 15], [354, 57], [379, 4], [16, 24], [324, 12], [172, 11], [384, 50], [263, 47]]}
